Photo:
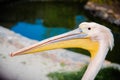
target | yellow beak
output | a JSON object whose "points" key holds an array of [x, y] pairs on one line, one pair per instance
{"points": [[72, 39]]}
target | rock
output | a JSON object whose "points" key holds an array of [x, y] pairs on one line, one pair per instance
{"points": [[117, 21], [103, 12], [110, 11]]}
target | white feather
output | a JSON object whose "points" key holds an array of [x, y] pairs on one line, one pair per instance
{"points": [[105, 38]]}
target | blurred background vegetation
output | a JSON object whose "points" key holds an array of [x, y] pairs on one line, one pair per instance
{"points": [[59, 16], [104, 74]]}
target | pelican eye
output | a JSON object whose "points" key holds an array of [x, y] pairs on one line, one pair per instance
{"points": [[89, 28]]}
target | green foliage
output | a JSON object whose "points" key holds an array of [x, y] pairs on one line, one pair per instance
{"points": [[108, 74], [75, 75], [62, 64], [105, 74]]}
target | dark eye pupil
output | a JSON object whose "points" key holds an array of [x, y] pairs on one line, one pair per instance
{"points": [[89, 28]]}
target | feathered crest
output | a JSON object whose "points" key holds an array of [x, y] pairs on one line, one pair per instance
{"points": [[108, 36]]}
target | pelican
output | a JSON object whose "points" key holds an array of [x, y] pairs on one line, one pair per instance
{"points": [[91, 36]]}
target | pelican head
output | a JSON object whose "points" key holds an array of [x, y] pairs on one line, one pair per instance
{"points": [[97, 32], [95, 38]]}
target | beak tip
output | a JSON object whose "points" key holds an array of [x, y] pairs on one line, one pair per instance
{"points": [[11, 54]]}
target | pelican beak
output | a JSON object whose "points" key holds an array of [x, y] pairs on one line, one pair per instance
{"points": [[66, 40]]}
